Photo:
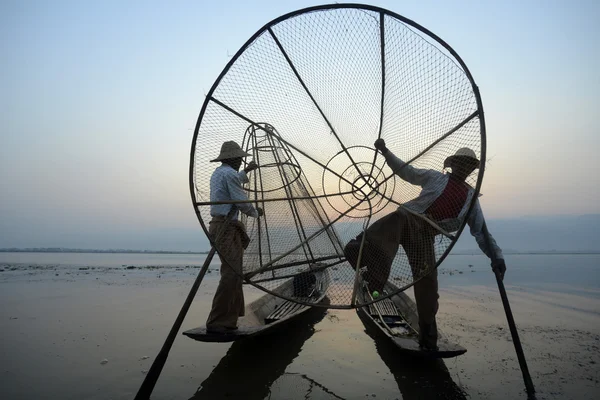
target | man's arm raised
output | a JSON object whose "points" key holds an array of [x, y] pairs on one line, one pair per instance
{"points": [[407, 172]]}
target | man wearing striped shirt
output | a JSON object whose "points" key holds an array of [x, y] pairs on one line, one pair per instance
{"points": [[444, 200], [230, 235]]}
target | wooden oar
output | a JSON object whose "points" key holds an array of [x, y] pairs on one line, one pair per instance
{"points": [[511, 322], [159, 362]]}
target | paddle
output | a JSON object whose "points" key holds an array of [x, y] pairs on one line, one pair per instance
{"points": [[511, 322], [159, 362]]}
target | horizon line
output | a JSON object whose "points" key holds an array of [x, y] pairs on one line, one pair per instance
{"points": [[134, 251]]}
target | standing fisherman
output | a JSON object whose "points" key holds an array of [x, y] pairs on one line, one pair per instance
{"points": [[226, 185], [445, 200]]}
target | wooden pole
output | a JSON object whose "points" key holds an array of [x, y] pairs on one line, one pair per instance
{"points": [[159, 362], [511, 322]]}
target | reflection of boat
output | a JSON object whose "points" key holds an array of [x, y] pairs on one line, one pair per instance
{"points": [[251, 366], [417, 378], [397, 318], [270, 312]]}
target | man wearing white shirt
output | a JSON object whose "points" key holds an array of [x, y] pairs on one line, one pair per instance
{"points": [[226, 185], [444, 200]]}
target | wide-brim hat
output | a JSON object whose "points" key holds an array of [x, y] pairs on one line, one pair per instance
{"points": [[464, 153], [230, 150]]}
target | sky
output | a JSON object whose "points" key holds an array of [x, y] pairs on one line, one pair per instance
{"points": [[98, 101]]}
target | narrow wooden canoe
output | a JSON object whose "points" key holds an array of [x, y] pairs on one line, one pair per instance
{"points": [[269, 312], [397, 319]]}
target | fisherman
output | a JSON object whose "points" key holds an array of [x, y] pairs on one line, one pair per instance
{"points": [[230, 235], [444, 200]]}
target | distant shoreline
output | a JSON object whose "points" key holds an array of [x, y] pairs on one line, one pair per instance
{"points": [[115, 251], [126, 251], [530, 253]]}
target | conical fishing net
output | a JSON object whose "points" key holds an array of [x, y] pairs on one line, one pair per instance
{"points": [[306, 97]]}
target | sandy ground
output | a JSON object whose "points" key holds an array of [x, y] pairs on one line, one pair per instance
{"points": [[73, 333]]}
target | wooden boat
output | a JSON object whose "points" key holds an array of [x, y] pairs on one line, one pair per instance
{"points": [[269, 312], [396, 317]]}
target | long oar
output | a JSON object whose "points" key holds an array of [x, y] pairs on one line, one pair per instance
{"points": [[159, 362], [511, 322]]}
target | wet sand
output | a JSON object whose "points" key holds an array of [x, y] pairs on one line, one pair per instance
{"points": [[59, 323]]}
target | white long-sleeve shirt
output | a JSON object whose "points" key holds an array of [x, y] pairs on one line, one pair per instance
{"points": [[432, 185], [226, 185]]}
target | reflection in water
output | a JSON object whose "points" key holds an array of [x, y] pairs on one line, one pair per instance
{"points": [[252, 365], [300, 386], [416, 378]]}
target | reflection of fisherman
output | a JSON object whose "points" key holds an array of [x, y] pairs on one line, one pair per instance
{"points": [[444, 199], [226, 185]]}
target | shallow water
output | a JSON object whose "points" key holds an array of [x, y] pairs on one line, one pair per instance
{"points": [[56, 331], [101, 259]]}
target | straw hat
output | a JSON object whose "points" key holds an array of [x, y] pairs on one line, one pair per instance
{"points": [[465, 152], [230, 150]]}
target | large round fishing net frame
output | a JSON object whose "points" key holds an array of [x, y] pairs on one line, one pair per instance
{"points": [[307, 96]]}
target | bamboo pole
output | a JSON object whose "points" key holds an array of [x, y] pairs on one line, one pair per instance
{"points": [[159, 362], [511, 321]]}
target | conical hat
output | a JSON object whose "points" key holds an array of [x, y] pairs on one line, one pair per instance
{"points": [[463, 152], [229, 150]]}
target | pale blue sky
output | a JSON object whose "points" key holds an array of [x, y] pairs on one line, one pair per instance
{"points": [[98, 101]]}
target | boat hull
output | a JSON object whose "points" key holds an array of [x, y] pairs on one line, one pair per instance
{"points": [[402, 327], [268, 314]]}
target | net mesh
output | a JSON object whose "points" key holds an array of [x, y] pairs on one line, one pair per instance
{"points": [[307, 99]]}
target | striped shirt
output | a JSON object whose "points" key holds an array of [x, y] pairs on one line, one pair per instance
{"points": [[226, 185]]}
